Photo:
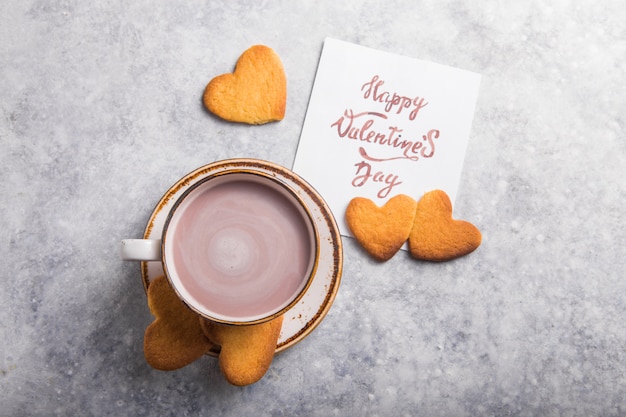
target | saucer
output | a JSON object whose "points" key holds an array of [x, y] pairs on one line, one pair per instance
{"points": [[308, 313]]}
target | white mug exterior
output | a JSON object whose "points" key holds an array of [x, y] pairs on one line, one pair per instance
{"points": [[146, 250]]}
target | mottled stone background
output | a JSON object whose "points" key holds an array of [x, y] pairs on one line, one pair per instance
{"points": [[100, 112]]}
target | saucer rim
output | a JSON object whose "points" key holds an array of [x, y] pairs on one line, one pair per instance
{"points": [[329, 239]]}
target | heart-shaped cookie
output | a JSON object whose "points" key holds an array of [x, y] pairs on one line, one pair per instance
{"points": [[175, 338], [381, 230], [246, 351], [435, 235], [255, 93]]}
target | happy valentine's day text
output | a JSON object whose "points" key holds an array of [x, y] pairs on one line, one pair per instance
{"points": [[364, 127]]}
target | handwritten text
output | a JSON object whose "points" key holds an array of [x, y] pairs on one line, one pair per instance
{"points": [[392, 101]]}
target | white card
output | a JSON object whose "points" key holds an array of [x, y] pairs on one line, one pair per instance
{"points": [[380, 124]]}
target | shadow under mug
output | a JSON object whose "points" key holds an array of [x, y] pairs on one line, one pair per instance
{"points": [[238, 247]]}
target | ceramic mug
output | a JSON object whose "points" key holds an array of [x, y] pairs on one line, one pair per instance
{"points": [[238, 247]]}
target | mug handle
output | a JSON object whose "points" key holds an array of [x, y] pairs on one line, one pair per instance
{"points": [[141, 249]]}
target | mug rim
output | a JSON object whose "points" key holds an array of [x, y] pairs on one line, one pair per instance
{"points": [[293, 198]]}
